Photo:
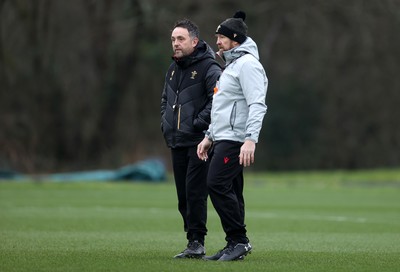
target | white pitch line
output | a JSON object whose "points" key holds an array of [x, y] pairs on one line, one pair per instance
{"points": [[307, 217]]}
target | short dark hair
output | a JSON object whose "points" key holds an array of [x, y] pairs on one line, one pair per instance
{"points": [[191, 27]]}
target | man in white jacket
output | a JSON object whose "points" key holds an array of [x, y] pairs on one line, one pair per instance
{"points": [[237, 114]]}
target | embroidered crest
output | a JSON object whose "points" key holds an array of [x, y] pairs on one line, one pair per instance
{"points": [[194, 73]]}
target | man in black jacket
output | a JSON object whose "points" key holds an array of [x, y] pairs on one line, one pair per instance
{"points": [[185, 115]]}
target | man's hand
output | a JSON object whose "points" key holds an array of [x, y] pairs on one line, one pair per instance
{"points": [[203, 147], [246, 156]]}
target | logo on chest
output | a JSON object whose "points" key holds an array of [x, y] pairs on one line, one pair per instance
{"points": [[194, 73]]}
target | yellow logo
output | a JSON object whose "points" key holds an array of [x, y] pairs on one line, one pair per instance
{"points": [[194, 73]]}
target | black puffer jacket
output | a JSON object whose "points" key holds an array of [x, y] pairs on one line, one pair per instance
{"points": [[187, 97]]}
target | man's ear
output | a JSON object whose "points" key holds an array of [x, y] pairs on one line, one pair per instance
{"points": [[235, 43], [195, 41]]}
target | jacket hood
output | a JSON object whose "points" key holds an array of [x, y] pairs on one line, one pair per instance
{"points": [[248, 47], [201, 51]]}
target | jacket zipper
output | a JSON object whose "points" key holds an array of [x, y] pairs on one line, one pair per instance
{"points": [[181, 75], [175, 104]]}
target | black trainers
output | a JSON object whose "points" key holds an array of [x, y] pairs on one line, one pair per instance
{"points": [[194, 250], [228, 248], [216, 256], [235, 252]]}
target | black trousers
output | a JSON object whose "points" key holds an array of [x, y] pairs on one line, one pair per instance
{"points": [[225, 187], [191, 186]]}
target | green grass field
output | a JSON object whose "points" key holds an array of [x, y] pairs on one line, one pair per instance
{"points": [[300, 221]]}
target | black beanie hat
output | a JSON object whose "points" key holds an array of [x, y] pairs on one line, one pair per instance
{"points": [[234, 28]]}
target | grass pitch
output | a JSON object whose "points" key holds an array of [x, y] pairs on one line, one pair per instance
{"points": [[310, 221]]}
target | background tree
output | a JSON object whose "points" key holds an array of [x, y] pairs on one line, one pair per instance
{"points": [[80, 81]]}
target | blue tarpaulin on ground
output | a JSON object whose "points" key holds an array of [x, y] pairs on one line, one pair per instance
{"points": [[148, 170]]}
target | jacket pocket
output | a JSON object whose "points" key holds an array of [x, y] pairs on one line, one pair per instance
{"points": [[232, 118]]}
